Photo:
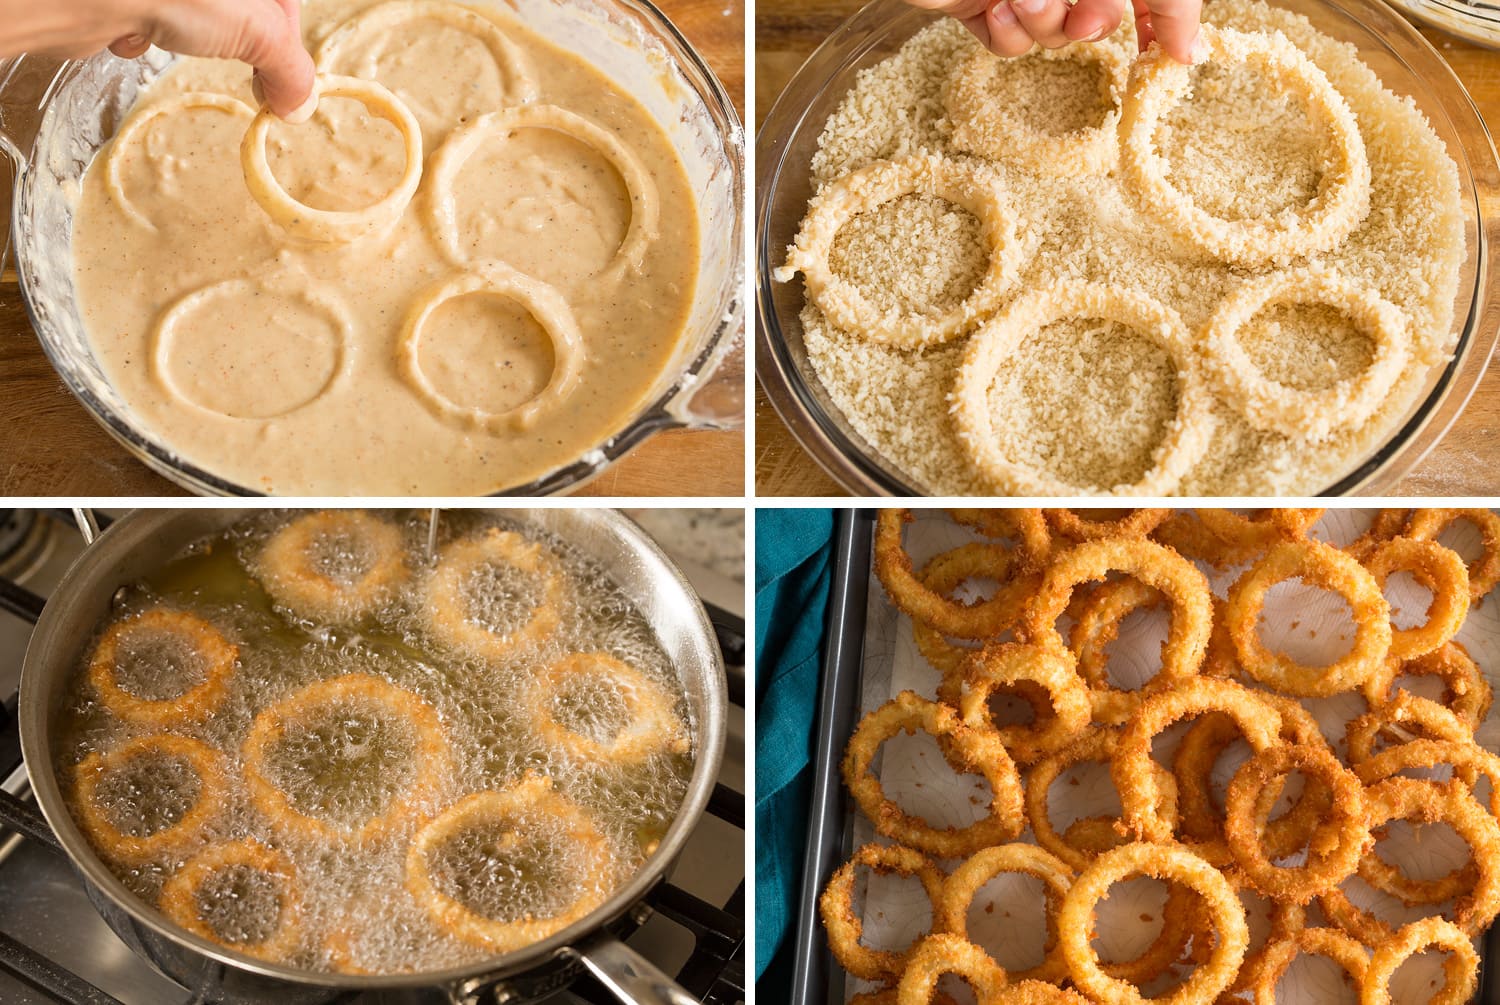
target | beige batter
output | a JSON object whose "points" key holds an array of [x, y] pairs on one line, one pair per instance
{"points": [[280, 368]]}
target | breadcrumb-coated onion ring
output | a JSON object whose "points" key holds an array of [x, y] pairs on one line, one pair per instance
{"points": [[1419, 801], [1027, 527], [533, 793], [942, 576], [1131, 523], [197, 703], [982, 620], [1000, 337], [448, 608], [429, 755], [965, 750], [1038, 993], [1461, 968], [179, 896], [964, 183], [1224, 538], [951, 906], [654, 725], [1012, 663], [288, 574], [1424, 753], [1168, 862], [1316, 413], [845, 929], [1096, 623], [1439, 569], [181, 835], [1466, 690], [889, 996], [1484, 571], [942, 954], [1158, 83], [1385, 525], [137, 122], [1413, 715], [1324, 566], [1276, 957]]}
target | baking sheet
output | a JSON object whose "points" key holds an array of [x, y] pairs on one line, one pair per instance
{"points": [[1007, 917]]}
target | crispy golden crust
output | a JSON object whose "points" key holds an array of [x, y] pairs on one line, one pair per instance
{"points": [[1466, 690], [1484, 571], [845, 928], [1004, 666], [1277, 956], [1440, 570], [937, 955], [951, 909], [182, 834], [1461, 967]]}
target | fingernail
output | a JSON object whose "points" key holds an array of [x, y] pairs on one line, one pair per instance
{"points": [[1096, 34], [1031, 6], [1002, 14], [1200, 49], [304, 111]]}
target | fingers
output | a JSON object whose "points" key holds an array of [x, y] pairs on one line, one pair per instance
{"points": [[1043, 20], [1007, 36], [283, 68], [1091, 20], [130, 46], [1173, 23]]}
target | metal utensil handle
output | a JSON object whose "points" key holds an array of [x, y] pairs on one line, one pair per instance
{"points": [[627, 974]]}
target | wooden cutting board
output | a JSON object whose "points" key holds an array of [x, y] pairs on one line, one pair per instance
{"points": [[1465, 463], [51, 446]]}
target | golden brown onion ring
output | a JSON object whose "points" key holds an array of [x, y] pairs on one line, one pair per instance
{"points": [[1440, 570], [654, 726], [937, 955], [982, 620], [1484, 571], [1466, 690], [180, 896], [942, 577], [1421, 802], [179, 836], [1076, 527], [1461, 968], [1277, 957], [1007, 665], [951, 907], [448, 607], [1027, 527], [197, 703], [291, 576], [844, 926]]}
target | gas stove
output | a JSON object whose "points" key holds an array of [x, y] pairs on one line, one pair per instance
{"points": [[54, 947]]}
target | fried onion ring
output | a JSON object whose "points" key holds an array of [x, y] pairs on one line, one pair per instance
{"points": [[1439, 569], [1484, 571], [1423, 753], [180, 896], [448, 606], [941, 954], [1461, 968], [1419, 802], [1466, 690], [136, 124], [1000, 337], [1131, 523], [291, 575], [180, 835], [654, 726], [977, 189], [982, 620], [845, 928], [1276, 957], [197, 703], [1407, 713], [1158, 83], [942, 576], [1096, 623], [1010, 664], [1027, 527], [1223, 538], [951, 907]]}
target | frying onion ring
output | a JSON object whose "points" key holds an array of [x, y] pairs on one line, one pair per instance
{"points": [[1277, 957], [1009, 664], [951, 906], [982, 620], [179, 836], [545, 305], [1321, 565], [448, 607], [1000, 338], [1440, 570], [307, 223], [653, 727], [965, 749], [940, 954], [1158, 83], [197, 703], [179, 896], [533, 793], [1131, 523], [976, 189], [288, 572], [429, 755], [1466, 690], [1461, 968], [1027, 527], [1484, 571], [844, 926], [137, 122]]}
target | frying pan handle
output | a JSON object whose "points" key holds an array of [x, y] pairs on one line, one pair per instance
{"points": [[627, 974]]}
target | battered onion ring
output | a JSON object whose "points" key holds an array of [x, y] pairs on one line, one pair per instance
{"points": [[1224, 538], [975, 188], [1132, 523], [197, 703], [1075, 922], [1000, 338], [137, 122], [1329, 862], [307, 223], [965, 750], [1321, 565], [448, 607], [1277, 957], [888, 996], [1037, 993], [545, 305], [1012, 663], [984, 126], [982, 620], [1484, 571], [1440, 570], [942, 576], [534, 792], [645, 210], [1422, 753], [134, 849], [1096, 623], [289, 576], [1027, 527], [1420, 802], [1158, 83], [937, 955], [1385, 525], [1466, 691], [951, 906], [654, 726], [1410, 714], [179, 896], [1461, 968], [430, 756], [844, 926]]}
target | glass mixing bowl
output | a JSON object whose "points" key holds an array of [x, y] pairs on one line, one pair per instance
{"points": [[55, 116], [1405, 62]]}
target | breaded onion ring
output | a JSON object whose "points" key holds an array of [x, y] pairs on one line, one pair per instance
{"points": [[1412, 717], [290, 573], [1466, 689], [1096, 623], [981, 620], [965, 750], [448, 607], [197, 703], [1484, 571], [1027, 527], [951, 907], [429, 755], [1074, 526], [1422, 753], [1384, 525], [180, 896], [937, 955], [136, 123], [1012, 663], [844, 926], [532, 794], [1461, 968], [1277, 956], [1439, 569], [1158, 83], [179, 836], [1421, 802], [1037, 993], [965, 183], [888, 996], [942, 576], [1315, 413], [1001, 336], [1321, 565], [1223, 538], [653, 725]]}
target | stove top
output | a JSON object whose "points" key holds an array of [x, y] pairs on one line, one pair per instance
{"points": [[54, 947]]}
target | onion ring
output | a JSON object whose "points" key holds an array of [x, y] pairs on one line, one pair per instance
{"points": [[179, 836], [1010, 664], [1484, 571], [941, 577], [888, 996], [1037, 993], [951, 906], [1133, 523], [1224, 538], [1324, 566], [937, 955], [1440, 570], [448, 606], [137, 122], [1419, 802], [1027, 527], [1461, 968], [291, 576], [845, 928], [1466, 689], [1384, 525], [1000, 337], [982, 620], [1422, 753], [976, 189], [180, 896], [197, 703], [965, 749], [654, 726], [1096, 623], [307, 223], [429, 755], [1276, 958], [1406, 712], [1158, 82]]}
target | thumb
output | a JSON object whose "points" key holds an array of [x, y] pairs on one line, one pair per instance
{"points": [[1173, 23], [283, 68]]}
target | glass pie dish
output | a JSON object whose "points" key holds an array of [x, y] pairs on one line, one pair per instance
{"points": [[55, 116], [1405, 63]]}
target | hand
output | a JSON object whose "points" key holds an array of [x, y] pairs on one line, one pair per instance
{"points": [[1012, 27], [267, 34]]}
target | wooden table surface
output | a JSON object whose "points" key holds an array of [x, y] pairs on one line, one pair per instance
{"points": [[51, 446], [1465, 463]]}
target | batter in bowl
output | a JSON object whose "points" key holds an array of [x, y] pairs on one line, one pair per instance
{"points": [[472, 266]]}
